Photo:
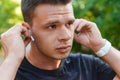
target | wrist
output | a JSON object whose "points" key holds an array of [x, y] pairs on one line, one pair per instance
{"points": [[104, 50], [98, 44], [13, 63], [15, 57]]}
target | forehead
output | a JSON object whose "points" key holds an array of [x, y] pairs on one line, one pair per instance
{"points": [[48, 12]]}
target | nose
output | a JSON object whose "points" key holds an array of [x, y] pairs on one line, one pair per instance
{"points": [[65, 34]]}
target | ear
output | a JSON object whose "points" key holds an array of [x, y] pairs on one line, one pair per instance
{"points": [[27, 26]]}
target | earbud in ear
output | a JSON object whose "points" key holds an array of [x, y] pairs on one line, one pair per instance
{"points": [[32, 38]]}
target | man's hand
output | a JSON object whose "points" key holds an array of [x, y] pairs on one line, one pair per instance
{"points": [[12, 42], [14, 47], [88, 34]]}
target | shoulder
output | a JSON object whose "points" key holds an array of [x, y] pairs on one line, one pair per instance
{"points": [[82, 57], [87, 60]]}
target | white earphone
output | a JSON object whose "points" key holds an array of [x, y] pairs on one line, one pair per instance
{"points": [[32, 38]]}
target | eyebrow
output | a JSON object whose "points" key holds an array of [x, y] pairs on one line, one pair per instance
{"points": [[57, 21], [52, 22], [71, 21]]}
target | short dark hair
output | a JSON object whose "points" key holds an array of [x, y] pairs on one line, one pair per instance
{"points": [[28, 7]]}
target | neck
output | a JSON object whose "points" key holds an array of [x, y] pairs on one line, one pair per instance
{"points": [[41, 61]]}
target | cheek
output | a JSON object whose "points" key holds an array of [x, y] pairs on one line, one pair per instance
{"points": [[44, 38], [72, 31]]}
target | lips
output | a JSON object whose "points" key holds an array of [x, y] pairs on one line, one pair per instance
{"points": [[64, 49]]}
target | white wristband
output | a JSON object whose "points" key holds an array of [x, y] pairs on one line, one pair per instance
{"points": [[104, 50]]}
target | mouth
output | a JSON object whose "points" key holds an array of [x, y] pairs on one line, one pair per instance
{"points": [[64, 49]]}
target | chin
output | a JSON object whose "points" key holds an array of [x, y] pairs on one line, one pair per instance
{"points": [[61, 57]]}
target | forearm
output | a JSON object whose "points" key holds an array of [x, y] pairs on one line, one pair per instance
{"points": [[9, 68], [113, 59]]}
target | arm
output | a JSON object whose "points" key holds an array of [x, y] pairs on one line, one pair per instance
{"points": [[90, 36], [14, 48], [113, 59]]}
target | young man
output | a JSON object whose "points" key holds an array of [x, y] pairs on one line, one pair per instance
{"points": [[51, 24]]}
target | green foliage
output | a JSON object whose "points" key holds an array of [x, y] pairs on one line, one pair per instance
{"points": [[9, 15], [106, 14]]}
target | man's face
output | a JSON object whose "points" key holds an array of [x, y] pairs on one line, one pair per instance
{"points": [[53, 30]]}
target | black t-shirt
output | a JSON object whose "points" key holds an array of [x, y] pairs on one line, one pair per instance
{"points": [[75, 67]]}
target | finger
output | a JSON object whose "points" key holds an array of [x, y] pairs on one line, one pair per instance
{"points": [[76, 23], [79, 24], [77, 37], [84, 25], [27, 40], [27, 33], [19, 28], [24, 31]]}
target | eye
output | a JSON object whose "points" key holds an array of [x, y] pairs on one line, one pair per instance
{"points": [[52, 26], [69, 24]]}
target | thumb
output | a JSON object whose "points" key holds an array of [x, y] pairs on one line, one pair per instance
{"points": [[27, 39]]}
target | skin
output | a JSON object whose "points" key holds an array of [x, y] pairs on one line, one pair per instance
{"points": [[53, 29]]}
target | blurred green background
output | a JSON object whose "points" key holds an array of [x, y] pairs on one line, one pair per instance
{"points": [[105, 13]]}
